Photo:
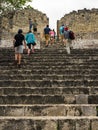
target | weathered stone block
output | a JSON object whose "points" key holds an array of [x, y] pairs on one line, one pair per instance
{"points": [[81, 99], [82, 124], [94, 125], [89, 110]]}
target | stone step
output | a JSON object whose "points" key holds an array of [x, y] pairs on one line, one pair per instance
{"points": [[53, 69], [39, 56], [58, 53], [48, 83], [48, 77], [49, 123], [54, 50], [17, 70], [50, 65], [50, 99], [47, 90], [52, 90], [52, 58], [67, 66], [53, 63], [49, 110], [61, 57], [42, 65]]}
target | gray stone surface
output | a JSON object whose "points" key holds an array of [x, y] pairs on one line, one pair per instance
{"points": [[77, 44], [52, 90], [82, 99]]}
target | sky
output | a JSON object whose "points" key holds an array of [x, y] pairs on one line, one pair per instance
{"points": [[56, 9]]}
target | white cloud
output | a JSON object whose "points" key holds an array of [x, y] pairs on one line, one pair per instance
{"points": [[55, 9]]}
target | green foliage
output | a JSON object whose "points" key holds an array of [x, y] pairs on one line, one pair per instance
{"points": [[10, 5], [17, 3]]}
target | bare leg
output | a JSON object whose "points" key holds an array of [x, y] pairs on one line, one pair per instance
{"points": [[16, 57], [68, 42], [65, 41], [19, 58], [28, 51], [46, 42]]}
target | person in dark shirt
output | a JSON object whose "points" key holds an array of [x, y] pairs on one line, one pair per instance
{"points": [[35, 24], [30, 24], [46, 34], [67, 40], [18, 42]]}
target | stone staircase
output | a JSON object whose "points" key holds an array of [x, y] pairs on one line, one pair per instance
{"points": [[52, 90]]}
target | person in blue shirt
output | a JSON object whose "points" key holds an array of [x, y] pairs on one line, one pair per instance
{"points": [[30, 41], [61, 30]]}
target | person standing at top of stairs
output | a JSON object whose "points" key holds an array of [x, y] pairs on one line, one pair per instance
{"points": [[30, 23], [35, 24]]}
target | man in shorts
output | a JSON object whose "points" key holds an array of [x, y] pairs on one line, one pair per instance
{"points": [[47, 35], [18, 42], [67, 40]]}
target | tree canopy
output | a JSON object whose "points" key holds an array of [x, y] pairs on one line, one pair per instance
{"points": [[10, 5]]}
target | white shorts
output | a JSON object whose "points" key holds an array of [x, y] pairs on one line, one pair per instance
{"points": [[19, 49]]}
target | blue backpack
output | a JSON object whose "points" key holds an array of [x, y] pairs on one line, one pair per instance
{"points": [[63, 30]]}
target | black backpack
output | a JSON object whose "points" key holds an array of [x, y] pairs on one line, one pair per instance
{"points": [[71, 35]]}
